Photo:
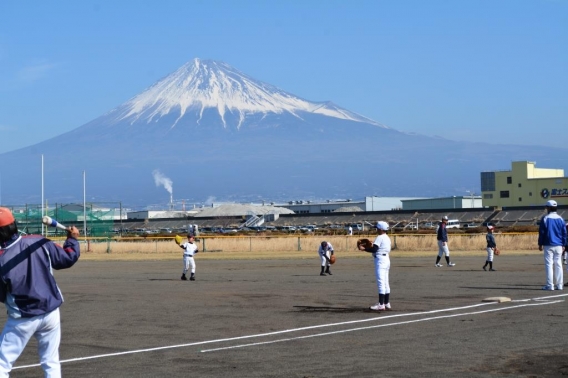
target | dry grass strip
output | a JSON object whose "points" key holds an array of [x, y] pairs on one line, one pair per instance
{"points": [[297, 247]]}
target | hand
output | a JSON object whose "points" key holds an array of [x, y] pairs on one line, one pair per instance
{"points": [[540, 247], [72, 232]]}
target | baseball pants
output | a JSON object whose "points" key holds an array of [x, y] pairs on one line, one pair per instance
{"points": [[324, 261], [382, 268], [188, 263], [553, 265], [443, 249], [16, 334], [490, 254]]}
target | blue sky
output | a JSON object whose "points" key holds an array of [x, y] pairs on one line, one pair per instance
{"points": [[484, 70]]}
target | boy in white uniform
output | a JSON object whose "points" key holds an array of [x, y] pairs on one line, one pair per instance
{"points": [[190, 249], [325, 251], [381, 250]]}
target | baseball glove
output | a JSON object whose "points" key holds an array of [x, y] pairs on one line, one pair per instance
{"points": [[363, 244], [496, 251], [332, 259], [178, 239]]}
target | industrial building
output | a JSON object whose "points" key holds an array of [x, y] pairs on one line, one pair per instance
{"points": [[454, 202], [368, 204], [523, 185]]}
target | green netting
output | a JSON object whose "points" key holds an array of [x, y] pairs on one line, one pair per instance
{"points": [[99, 219]]}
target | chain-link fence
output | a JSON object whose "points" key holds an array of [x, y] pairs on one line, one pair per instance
{"points": [[93, 219]]}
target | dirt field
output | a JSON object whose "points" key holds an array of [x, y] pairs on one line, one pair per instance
{"points": [[265, 317]]}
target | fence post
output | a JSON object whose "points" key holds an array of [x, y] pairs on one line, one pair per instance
{"points": [[108, 245], [395, 246], [156, 241], [204, 249], [250, 243]]}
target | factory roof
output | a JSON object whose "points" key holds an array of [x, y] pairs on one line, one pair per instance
{"points": [[237, 209]]}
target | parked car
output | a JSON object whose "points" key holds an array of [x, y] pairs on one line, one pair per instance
{"points": [[453, 223], [228, 230], [355, 227], [288, 228]]}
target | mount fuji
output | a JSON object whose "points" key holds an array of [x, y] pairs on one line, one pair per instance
{"points": [[216, 132]]}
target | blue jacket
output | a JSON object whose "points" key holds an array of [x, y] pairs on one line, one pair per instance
{"points": [[27, 285], [552, 230], [442, 232], [490, 240]]}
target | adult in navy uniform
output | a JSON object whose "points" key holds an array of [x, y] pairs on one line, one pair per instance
{"points": [[491, 246], [30, 293], [443, 249], [552, 241]]}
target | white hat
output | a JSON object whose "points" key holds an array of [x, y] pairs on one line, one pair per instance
{"points": [[551, 203], [382, 225], [445, 217], [490, 227]]}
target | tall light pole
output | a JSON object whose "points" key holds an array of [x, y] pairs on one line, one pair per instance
{"points": [[85, 205], [42, 199]]}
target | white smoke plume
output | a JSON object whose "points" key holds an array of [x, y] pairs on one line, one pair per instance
{"points": [[162, 180]]}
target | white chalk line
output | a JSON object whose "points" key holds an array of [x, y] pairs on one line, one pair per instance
{"points": [[540, 303], [115, 354]]}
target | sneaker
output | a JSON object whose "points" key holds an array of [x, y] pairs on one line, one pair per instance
{"points": [[558, 288], [322, 274], [549, 288], [438, 265], [183, 277], [388, 306], [192, 278], [377, 307], [492, 270], [451, 264], [484, 268]]}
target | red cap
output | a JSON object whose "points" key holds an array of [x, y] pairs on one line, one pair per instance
{"points": [[6, 217]]}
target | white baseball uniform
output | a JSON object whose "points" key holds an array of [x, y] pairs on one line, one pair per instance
{"points": [[188, 261], [382, 263], [323, 252]]}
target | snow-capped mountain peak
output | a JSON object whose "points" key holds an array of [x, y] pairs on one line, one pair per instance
{"points": [[206, 84]]}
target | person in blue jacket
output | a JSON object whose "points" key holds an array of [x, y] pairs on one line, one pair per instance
{"points": [[442, 237], [552, 240], [30, 293]]}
